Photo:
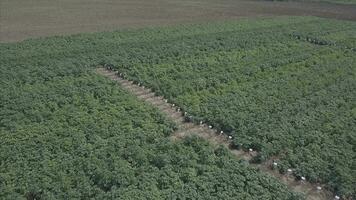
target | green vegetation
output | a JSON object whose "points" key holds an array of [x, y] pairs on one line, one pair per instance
{"points": [[67, 133], [283, 86]]}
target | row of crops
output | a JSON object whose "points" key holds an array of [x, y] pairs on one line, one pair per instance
{"points": [[288, 97], [67, 133]]}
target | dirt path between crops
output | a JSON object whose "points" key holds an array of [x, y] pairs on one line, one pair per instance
{"points": [[216, 138], [24, 19]]}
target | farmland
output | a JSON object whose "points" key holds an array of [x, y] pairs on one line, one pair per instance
{"points": [[348, 2], [68, 133], [283, 86], [23, 19]]}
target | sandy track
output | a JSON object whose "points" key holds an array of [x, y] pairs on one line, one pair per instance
{"points": [[186, 129]]}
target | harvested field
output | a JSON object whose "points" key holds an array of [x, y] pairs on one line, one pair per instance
{"points": [[23, 19]]}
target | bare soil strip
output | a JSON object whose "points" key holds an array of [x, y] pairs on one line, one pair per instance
{"points": [[24, 19], [186, 129]]}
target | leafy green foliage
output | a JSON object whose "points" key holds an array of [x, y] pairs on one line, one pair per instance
{"points": [[67, 133], [82, 137], [283, 87]]}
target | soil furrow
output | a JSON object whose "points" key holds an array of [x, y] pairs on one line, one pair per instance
{"points": [[312, 191]]}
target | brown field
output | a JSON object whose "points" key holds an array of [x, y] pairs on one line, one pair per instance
{"points": [[22, 19]]}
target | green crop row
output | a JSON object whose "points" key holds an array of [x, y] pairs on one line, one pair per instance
{"points": [[273, 92], [285, 90], [68, 133]]}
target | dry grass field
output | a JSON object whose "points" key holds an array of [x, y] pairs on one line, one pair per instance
{"points": [[23, 19]]}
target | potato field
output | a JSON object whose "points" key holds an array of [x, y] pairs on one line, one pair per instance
{"points": [[283, 86], [67, 133]]}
